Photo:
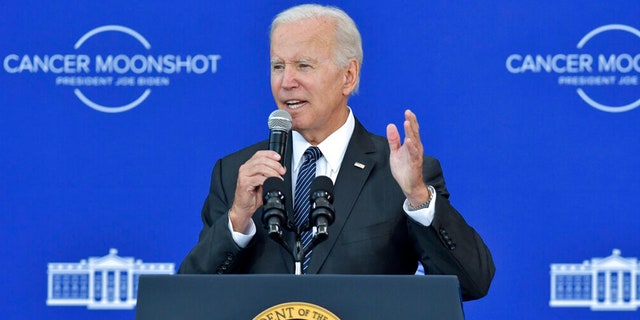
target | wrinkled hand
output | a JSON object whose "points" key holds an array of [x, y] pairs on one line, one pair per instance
{"points": [[248, 197], [406, 159]]}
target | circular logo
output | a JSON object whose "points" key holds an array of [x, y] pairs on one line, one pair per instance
{"points": [[129, 105], [296, 311], [631, 62]]}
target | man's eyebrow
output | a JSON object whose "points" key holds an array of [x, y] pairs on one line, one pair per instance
{"points": [[299, 60], [305, 60]]}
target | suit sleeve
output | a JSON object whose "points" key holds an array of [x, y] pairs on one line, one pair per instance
{"points": [[216, 251], [449, 245]]}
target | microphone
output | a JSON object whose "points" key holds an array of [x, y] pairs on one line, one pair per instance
{"points": [[279, 125], [273, 210], [322, 213]]}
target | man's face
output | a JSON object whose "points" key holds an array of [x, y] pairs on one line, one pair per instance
{"points": [[305, 81]]}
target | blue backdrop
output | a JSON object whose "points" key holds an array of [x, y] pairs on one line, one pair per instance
{"points": [[529, 105]]}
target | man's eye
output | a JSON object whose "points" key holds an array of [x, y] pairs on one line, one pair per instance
{"points": [[277, 67], [304, 66]]}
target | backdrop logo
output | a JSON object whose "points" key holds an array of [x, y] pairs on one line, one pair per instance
{"points": [[604, 284], [595, 75], [108, 282], [131, 73]]}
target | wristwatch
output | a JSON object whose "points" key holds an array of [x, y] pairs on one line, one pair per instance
{"points": [[432, 193]]}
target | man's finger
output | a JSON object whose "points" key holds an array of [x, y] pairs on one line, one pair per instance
{"points": [[393, 137], [411, 127]]}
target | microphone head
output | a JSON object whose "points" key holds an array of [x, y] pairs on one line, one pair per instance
{"points": [[280, 120], [272, 184], [322, 183]]}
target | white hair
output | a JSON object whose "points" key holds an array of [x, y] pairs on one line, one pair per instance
{"points": [[347, 36]]}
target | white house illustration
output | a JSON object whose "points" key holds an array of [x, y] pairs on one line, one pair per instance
{"points": [[610, 283], [108, 282]]}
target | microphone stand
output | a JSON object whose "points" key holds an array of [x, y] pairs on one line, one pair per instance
{"points": [[299, 252], [321, 215], [298, 256]]}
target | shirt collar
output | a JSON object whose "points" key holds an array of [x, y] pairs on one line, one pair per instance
{"points": [[332, 148]]}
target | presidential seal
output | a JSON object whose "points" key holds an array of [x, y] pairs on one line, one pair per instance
{"points": [[296, 311]]}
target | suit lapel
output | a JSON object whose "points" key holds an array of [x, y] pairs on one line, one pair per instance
{"points": [[358, 162]]}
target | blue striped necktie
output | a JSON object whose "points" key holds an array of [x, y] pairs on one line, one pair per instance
{"points": [[302, 205]]}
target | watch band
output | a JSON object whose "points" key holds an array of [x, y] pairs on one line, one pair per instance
{"points": [[432, 193]]}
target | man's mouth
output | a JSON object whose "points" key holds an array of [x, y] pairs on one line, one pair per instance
{"points": [[294, 104]]}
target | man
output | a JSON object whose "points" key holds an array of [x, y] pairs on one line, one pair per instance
{"points": [[391, 203]]}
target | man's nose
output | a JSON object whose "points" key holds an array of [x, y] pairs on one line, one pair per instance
{"points": [[289, 78]]}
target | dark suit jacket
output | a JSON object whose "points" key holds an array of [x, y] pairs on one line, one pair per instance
{"points": [[371, 234]]}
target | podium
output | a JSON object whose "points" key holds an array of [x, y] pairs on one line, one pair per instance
{"points": [[347, 297]]}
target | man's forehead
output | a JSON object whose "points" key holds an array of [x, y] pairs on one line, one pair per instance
{"points": [[318, 24], [302, 33]]}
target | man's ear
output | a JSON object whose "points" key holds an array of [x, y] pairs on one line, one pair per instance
{"points": [[351, 76]]}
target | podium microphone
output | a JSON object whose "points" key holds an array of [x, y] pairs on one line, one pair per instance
{"points": [[321, 214], [273, 211], [279, 125]]}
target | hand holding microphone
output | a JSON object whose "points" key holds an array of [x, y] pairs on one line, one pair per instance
{"points": [[274, 214], [252, 174]]}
